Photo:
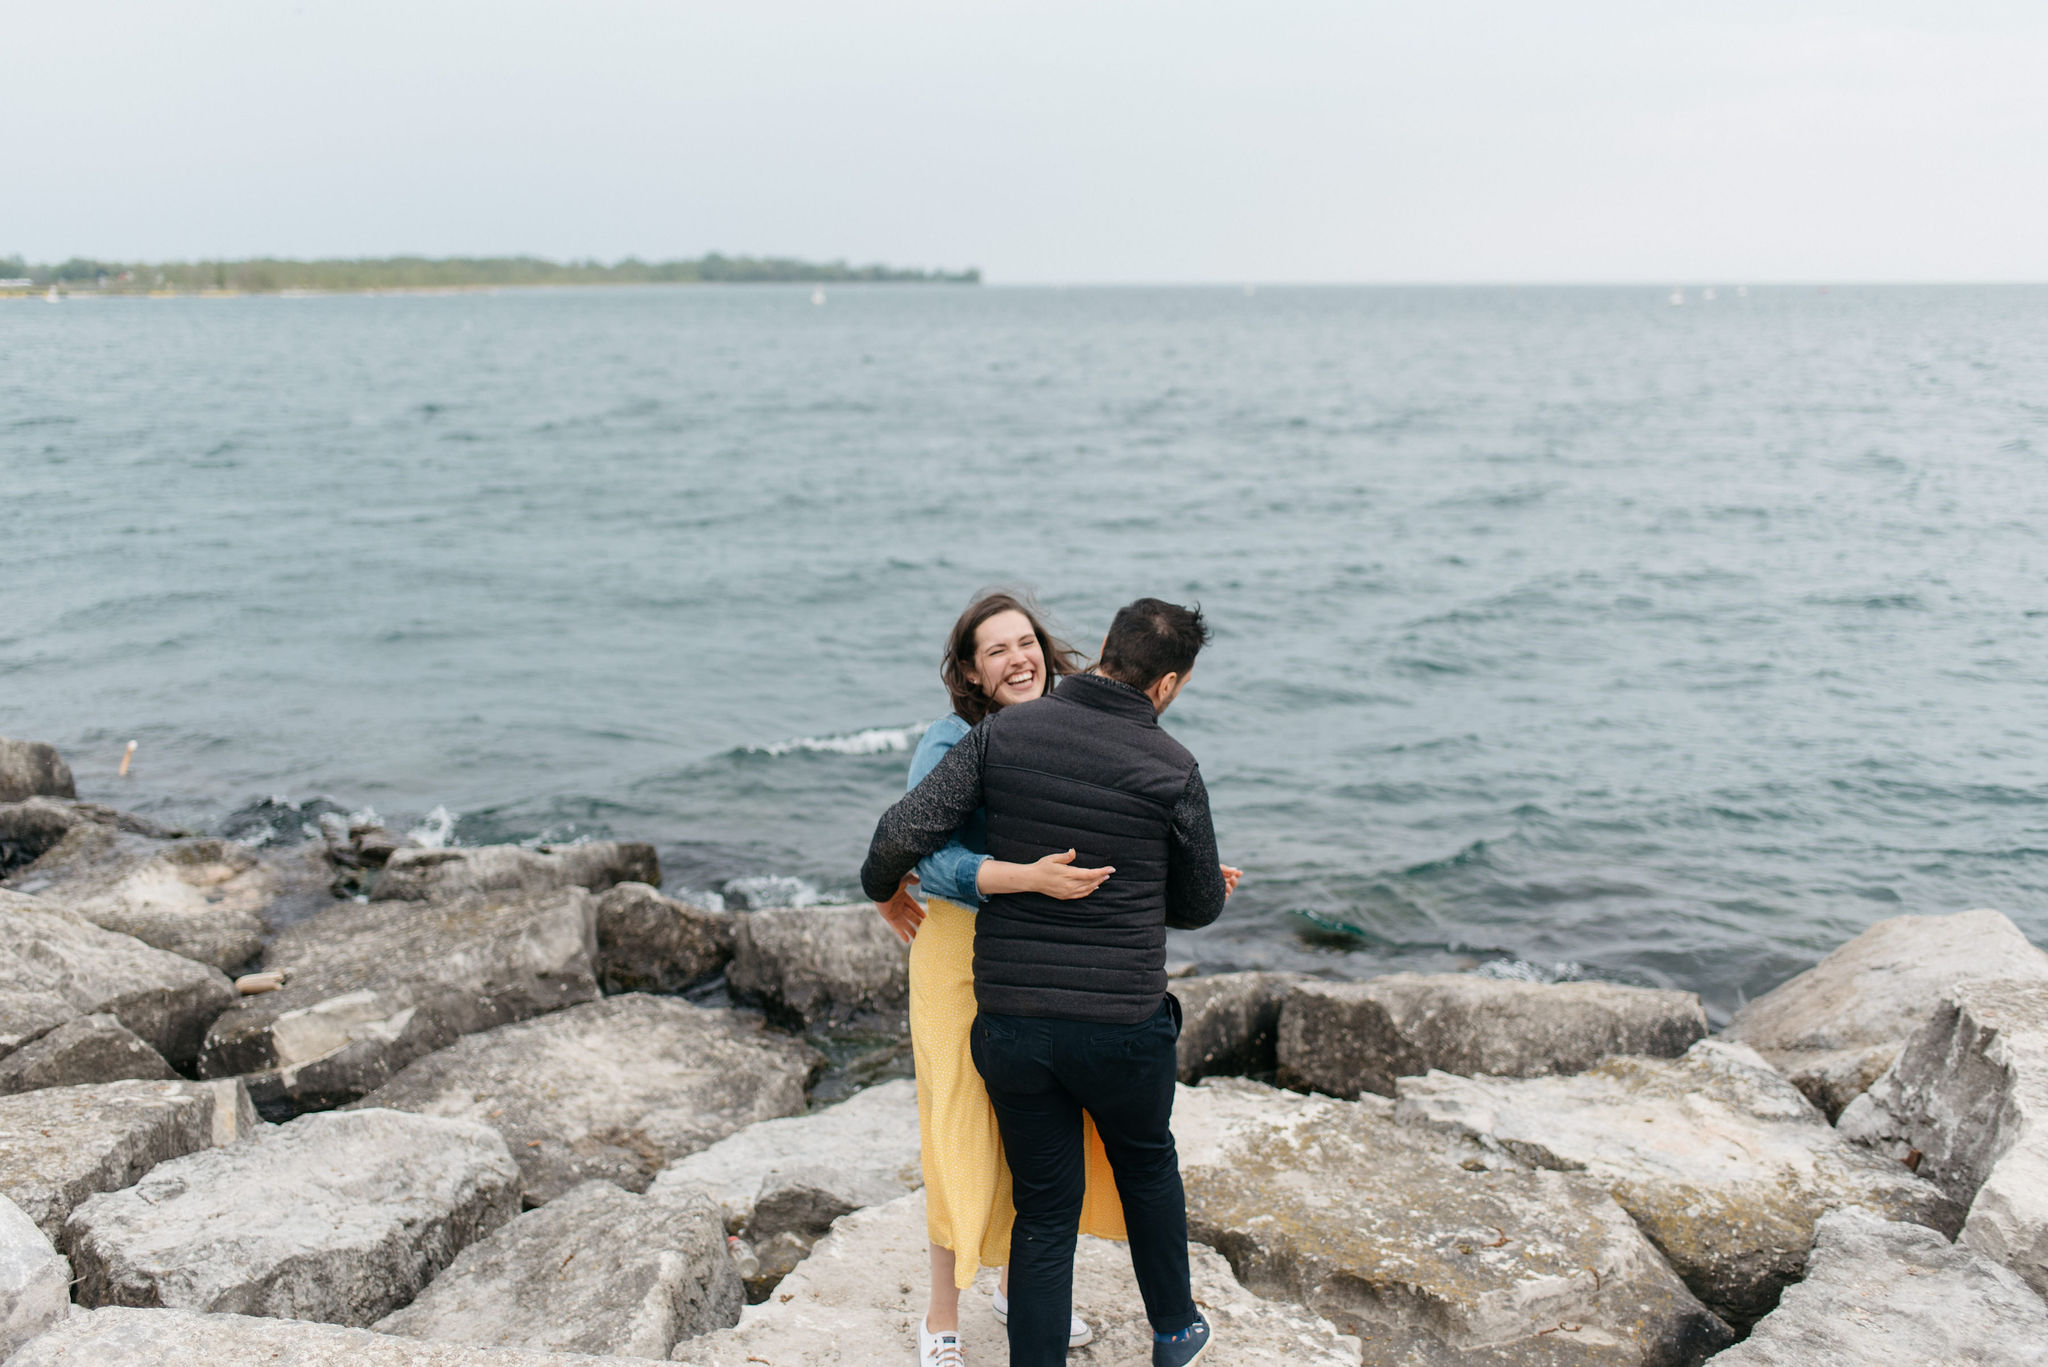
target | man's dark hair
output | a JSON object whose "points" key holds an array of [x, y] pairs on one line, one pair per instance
{"points": [[1150, 639]]}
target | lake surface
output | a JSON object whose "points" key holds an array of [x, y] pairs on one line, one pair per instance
{"points": [[1558, 631]]}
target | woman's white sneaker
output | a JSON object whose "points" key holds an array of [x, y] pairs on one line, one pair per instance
{"points": [[938, 1350], [1078, 1332]]}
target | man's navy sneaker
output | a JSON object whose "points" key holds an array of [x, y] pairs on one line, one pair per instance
{"points": [[1183, 1349]]}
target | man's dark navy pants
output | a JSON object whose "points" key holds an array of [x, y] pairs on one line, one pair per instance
{"points": [[1041, 1074]]}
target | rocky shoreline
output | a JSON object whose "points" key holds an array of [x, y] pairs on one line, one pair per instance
{"points": [[502, 1105]]}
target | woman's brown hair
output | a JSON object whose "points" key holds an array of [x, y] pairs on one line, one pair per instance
{"points": [[969, 701]]}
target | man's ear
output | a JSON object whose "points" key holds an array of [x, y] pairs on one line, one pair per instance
{"points": [[1164, 690]]}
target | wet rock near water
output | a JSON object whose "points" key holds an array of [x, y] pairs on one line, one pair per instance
{"points": [[95, 1048], [376, 985], [1351, 1038], [33, 826], [612, 1089], [650, 943], [1230, 1023], [513, 870], [30, 768], [1720, 1160], [56, 967], [1836, 1027], [1899, 1295], [1430, 1248], [340, 1217], [1967, 1104], [814, 965], [61, 1145], [856, 1302], [35, 1280], [597, 1270]]}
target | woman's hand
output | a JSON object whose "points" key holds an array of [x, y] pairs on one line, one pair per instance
{"points": [[902, 912], [1056, 876], [1230, 877]]}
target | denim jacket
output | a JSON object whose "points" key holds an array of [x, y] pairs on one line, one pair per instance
{"points": [[951, 870]]}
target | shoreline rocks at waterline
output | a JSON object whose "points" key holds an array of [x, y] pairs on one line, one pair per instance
{"points": [[650, 943], [1350, 1038], [1230, 1023], [419, 875], [813, 965], [30, 768], [33, 826], [598, 1270], [35, 1280], [376, 985], [611, 1089], [1836, 1027]]}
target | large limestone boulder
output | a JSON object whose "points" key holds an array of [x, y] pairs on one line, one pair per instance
{"points": [[1881, 1294], [1230, 1023], [1431, 1248], [1967, 1104], [29, 768], [56, 967], [613, 1089], [598, 1270], [1349, 1038], [1721, 1161], [799, 1174], [856, 1302], [376, 985], [805, 965], [33, 826], [60, 1145], [95, 1048], [35, 1281], [1837, 1026], [650, 943], [341, 1217], [514, 870], [123, 1337]]}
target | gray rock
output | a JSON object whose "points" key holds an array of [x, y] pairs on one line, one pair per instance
{"points": [[856, 1302], [1230, 1023], [33, 826], [376, 985], [614, 1089], [513, 870], [1970, 1093], [1722, 1163], [650, 943], [1900, 1295], [35, 1281], [596, 1271], [29, 768], [60, 1145], [1429, 1248], [811, 964], [201, 898], [1837, 1026], [96, 1048], [340, 1217], [55, 967], [122, 1337], [800, 1174], [1348, 1038]]}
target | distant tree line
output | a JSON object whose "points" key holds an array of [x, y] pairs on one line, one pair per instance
{"points": [[265, 275]]}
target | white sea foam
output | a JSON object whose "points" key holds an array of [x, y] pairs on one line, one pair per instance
{"points": [[1522, 971], [876, 740], [435, 830]]}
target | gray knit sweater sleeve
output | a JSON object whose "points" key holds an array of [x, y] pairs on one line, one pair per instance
{"points": [[1194, 878], [926, 817]]}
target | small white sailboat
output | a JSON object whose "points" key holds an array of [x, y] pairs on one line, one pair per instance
{"points": [[817, 296], [1742, 291], [1677, 298], [1707, 295], [52, 297]]}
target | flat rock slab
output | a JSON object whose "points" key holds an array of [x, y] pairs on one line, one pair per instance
{"points": [[1230, 1023], [1897, 1295], [598, 1270], [650, 943], [30, 768], [121, 1337], [31, 827], [35, 1280], [95, 1048], [806, 965], [1834, 1028], [1351, 1038], [1722, 1162], [61, 1145], [614, 1089], [857, 1300], [1969, 1093], [341, 1217], [800, 1174], [202, 898], [1427, 1247], [376, 985], [437, 875], [55, 967]]}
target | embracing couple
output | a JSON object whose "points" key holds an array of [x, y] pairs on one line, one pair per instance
{"points": [[1056, 832]]}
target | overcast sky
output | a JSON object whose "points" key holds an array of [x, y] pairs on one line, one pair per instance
{"points": [[1109, 140]]}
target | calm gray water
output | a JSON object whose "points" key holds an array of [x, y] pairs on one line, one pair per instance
{"points": [[1558, 631]]}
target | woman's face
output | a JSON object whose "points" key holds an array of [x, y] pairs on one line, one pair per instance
{"points": [[1008, 663]]}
